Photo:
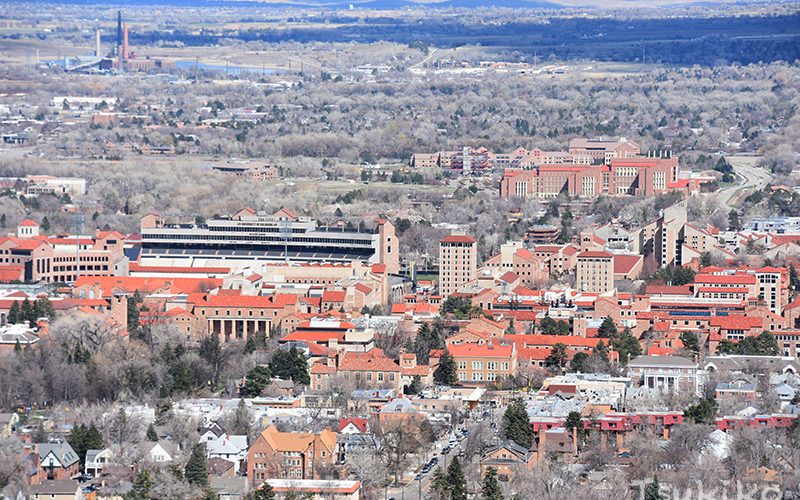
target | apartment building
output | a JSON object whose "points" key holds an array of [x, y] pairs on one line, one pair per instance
{"points": [[595, 272], [482, 363], [290, 455], [458, 263], [249, 238]]}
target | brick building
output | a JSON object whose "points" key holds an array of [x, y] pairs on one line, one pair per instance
{"points": [[290, 455]]}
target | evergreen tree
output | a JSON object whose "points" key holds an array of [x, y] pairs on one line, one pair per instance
{"points": [[83, 438], [45, 225], [490, 487], [26, 311], [703, 412], [557, 357], [415, 386], [626, 345], [15, 314], [256, 380], [794, 278], [690, 342], [141, 487], [211, 352], [607, 329], [456, 480], [152, 435], [440, 483], [653, 491], [263, 493], [446, 373], [575, 421], [241, 420], [576, 364], [40, 435], [195, 471], [516, 424], [290, 365], [133, 313], [598, 360], [43, 308]]}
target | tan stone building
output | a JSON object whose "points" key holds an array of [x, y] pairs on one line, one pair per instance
{"points": [[458, 263], [595, 272]]}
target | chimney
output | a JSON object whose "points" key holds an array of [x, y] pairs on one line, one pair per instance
{"points": [[97, 44], [119, 40], [125, 41]]}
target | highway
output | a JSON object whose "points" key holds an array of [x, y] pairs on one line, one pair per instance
{"points": [[750, 175]]}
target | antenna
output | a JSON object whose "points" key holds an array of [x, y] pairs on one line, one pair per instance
{"points": [[77, 223]]}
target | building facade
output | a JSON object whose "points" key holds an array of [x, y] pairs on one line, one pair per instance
{"points": [[458, 263], [595, 272]]}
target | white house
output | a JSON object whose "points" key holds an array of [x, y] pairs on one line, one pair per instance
{"points": [[96, 460], [158, 453], [228, 447]]}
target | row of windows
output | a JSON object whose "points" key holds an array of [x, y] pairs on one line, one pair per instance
{"points": [[271, 239]]}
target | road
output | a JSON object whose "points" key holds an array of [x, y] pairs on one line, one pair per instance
{"points": [[428, 58], [750, 175], [419, 489]]}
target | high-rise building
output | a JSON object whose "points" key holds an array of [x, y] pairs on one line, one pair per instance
{"points": [[458, 263], [595, 272]]}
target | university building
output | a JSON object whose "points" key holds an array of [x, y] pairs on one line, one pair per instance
{"points": [[249, 238], [458, 263], [636, 176]]}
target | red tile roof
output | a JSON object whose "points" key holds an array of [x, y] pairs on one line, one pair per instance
{"points": [[480, 351], [594, 255], [623, 264], [459, 239], [28, 222]]}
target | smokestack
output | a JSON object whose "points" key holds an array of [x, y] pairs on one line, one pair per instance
{"points": [[97, 44], [125, 41], [119, 40]]}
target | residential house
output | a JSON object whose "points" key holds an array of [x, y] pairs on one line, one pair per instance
{"points": [[508, 458], [62, 489], [96, 461], [57, 461]]}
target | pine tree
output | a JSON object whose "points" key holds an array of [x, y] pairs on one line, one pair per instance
{"points": [[490, 488], [45, 225], [43, 308], [15, 314], [446, 373], [794, 278], [263, 493], [195, 470], [440, 483], [457, 481], [241, 420], [607, 329], [516, 424], [152, 435], [141, 487], [256, 380], [653, 491], [26, 312], [415, 386], [94, 439], [133, 313]]}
